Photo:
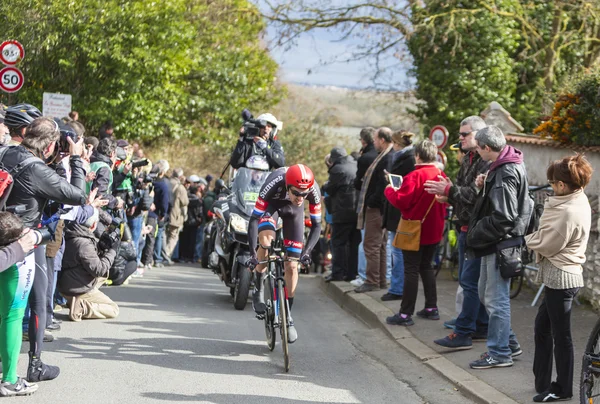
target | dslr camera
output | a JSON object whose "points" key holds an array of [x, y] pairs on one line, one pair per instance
{"points": [[65, 132], [111, 236], [43, 235], [252, 126]]}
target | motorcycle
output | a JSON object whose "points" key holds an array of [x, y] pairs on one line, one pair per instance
{"points": [[230, 232]]}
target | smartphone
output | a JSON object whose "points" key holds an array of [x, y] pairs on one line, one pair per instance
{"points": [[394, 180]]}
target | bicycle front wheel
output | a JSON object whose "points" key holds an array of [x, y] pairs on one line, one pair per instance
{"points": [[589, 386], [270, 313], [283, 324]]}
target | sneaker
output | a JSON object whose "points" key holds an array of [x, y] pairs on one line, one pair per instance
{"points": [[108, 282], [390, 296], [20, 388], [258, 303], [57, 308], [53, 327], [38, 371], [138, 273], [479, 336], [399, 319], [429, 313], [48, 336], [515, 350], [547, 397], [455, 342], [292, 333], [357, 282], [450, 324], [485, 361], [366, 287]]}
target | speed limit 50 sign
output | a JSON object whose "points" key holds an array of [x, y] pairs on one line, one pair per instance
{"points": [[11, 79]]}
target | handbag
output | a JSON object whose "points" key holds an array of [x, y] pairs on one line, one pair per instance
{"points": [[509, 257], [408, 233]]}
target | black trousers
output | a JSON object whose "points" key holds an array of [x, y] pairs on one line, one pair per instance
{"points": [[147, 252], [345, 239], [418, 263], [187, 243], [553, 330]]}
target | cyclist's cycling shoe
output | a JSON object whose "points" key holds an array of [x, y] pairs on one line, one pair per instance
{"points": [[292, 334], [258, 303]]}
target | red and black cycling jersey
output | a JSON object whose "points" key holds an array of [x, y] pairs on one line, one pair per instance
{"points": [[274, 200]]}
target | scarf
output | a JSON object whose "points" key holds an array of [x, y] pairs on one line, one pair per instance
{"points": [[365, 185]]}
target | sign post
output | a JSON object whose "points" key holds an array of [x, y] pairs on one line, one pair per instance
{"points": [[439, 136], [56, 105], [11, 78]]}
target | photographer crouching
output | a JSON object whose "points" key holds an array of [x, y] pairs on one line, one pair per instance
{"points": [[86, 264], [34, 184]]}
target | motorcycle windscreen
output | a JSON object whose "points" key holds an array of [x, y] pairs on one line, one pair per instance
{"points": [[246, 186]]}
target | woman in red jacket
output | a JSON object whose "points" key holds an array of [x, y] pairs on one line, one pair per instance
{"points": [[415, 204]]}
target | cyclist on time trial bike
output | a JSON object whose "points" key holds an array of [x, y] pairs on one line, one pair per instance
{"points": [[282, 195]]}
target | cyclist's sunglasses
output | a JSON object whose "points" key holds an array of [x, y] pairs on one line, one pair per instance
{"points": [[299, 194]]}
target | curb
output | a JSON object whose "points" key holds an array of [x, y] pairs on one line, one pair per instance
{"points": [[374, 313]]}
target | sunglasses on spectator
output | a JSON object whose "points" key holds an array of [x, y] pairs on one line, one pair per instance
{"points": [[465, 134], [299, 194]]}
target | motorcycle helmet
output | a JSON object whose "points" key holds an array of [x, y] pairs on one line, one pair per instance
{"points": [[20, 115], [299, 176], [270, 119]]}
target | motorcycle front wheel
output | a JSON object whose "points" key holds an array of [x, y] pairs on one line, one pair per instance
{"points": [[242, 288]]}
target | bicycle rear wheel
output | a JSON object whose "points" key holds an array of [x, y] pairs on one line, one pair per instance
{"points": [[270, 313], [283, 324], [589, 386]]}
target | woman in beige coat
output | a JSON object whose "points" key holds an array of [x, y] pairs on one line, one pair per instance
{"points": [[560, 244]]}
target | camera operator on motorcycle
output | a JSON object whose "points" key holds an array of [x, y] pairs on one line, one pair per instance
{"points": [[35, 184], [282, 195], [264, 143]]}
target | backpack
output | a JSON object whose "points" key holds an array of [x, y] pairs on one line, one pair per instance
{"points": [[8, 177]]}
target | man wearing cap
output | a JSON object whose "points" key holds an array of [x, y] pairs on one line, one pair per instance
{"points": [[472, 322], [341, 203]]}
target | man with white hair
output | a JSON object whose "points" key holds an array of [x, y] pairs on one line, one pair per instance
{"points": [[84, 268]]}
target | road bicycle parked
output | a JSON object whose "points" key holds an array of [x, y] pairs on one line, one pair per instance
{"points": [[276, 298], [589, 386]]}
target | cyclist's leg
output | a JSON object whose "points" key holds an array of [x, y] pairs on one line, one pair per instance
{"points": [[293, 237], [266, 233]]}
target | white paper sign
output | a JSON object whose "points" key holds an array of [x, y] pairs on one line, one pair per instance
{"points": [[56, 105]]}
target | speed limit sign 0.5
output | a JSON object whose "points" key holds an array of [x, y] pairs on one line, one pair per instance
{"points": [[11, 79]]}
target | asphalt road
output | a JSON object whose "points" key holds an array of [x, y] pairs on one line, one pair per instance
{"points": [[178, 338]]}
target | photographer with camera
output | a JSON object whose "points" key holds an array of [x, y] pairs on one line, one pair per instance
{"points": [[102, 162], [34, 184], [86, 264], [15, 285], [258, 137]]}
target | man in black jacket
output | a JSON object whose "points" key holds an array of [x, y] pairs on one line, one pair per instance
{"points": [[34, 186], [341, 203], [498, 223], [266, 144], [370, 209], [102, 162], [472, 320]]}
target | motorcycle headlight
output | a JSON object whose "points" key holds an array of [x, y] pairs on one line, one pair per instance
{"points": [[239, 224]]}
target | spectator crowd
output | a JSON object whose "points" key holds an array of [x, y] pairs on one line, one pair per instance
{"points": [[98, 213], [385, 236]]}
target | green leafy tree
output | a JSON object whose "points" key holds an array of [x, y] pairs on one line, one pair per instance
{"points": [[169, 68]]}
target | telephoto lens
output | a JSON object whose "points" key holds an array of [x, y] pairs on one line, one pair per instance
{"points": [[42, 236]]}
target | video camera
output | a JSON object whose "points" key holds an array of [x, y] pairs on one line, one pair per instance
{"points": [[65, 132], [252, 126]]}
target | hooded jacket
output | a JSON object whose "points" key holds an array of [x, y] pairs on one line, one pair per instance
{"points": [[341, 199], [246, 149], [503, 207], [103, 180], [38, 183], [81, 265]]}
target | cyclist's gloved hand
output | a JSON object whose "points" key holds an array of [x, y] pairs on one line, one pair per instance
{"points": [[252, 262], [306, 260]]}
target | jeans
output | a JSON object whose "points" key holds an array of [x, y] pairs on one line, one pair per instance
{"points": [[473, 317], [135, 224], [199, 241], [397, 276], [362, 260], [158, 245], [494, 292], [553, 330], [388, 251]]}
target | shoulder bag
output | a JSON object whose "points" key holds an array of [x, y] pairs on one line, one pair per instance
{"points": [[408, 233]]}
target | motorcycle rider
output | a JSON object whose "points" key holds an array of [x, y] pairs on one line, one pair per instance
{"points": [[282, 195], [266, 144], [16, 119]]}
